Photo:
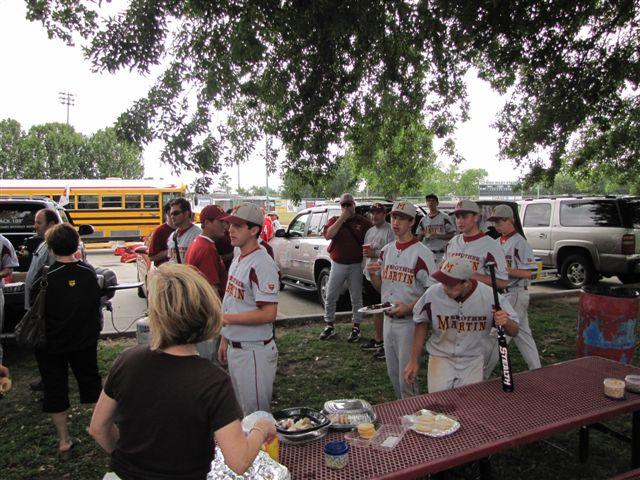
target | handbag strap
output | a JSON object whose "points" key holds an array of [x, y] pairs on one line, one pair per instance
{"points": [[175, 246], [43, 279]]}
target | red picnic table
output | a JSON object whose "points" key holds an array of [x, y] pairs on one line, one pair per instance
{"points": [[545, 402]]}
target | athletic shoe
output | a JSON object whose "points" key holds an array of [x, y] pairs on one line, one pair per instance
{"points": [[36, 386], [372, 345], [379, 354], [355, 335], [327, 333]]}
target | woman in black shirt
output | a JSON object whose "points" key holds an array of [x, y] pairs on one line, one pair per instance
{"points": [[163, 405], [72, 330]]}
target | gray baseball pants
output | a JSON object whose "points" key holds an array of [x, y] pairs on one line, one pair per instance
{"points": [[444, 373], [352, 274], [519, 300], [398, 344], [252, 369], [1, 322]]}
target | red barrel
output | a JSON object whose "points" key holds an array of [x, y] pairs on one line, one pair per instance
{"points": [[607, 323]]}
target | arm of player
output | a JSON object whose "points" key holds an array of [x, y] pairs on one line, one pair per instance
{"points": [[519, 273], [486, 279], [265, 313], [410, 372], [501, 319]]}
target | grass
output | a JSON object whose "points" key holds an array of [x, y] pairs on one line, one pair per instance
{"points": [[309, 373]]}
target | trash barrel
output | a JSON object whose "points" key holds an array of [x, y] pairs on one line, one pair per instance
{"points": [[607, 322]]}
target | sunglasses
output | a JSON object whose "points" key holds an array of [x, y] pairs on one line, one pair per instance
{"points": [[175, 213], [346, 204]]}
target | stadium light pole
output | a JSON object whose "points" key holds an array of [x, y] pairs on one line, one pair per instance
{"points": [[68, 99]]}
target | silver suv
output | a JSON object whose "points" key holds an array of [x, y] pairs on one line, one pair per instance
{"points": [[585, 237]]}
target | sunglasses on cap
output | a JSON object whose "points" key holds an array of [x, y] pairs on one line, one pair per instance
{"points": [[347, 204]]}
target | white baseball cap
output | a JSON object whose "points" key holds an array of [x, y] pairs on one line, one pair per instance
{"points": [[347, 198], [501, 211], [453, 271], [467, 206], [405, 208], [245, 213]]}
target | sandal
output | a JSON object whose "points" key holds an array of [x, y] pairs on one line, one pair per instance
{"points": [[65, 455]]}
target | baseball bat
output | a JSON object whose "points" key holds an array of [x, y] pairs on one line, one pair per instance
{"points": [[505, 360]]}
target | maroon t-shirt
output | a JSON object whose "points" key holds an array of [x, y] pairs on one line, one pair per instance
{"points": [[158, 242], [224, 247], [346, 246], [168, 410], [203, 255]]}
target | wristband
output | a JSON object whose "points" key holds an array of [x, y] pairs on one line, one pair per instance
{"points": [[264, 434]]}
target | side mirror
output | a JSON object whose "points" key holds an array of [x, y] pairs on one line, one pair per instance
{"points": [[281, 233], [85, 230]]}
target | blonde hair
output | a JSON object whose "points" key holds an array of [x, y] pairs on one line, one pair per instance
{"points": [[183, 307]]}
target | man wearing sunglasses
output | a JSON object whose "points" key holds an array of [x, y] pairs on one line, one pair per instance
{"points": [[346, 233], [185, 230]]}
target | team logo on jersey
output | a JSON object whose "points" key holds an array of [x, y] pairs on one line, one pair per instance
{"points": [[271, 286], [72, 283]]}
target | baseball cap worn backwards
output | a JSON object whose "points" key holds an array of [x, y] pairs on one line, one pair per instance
{"points": [[405, 208], [245, 213], [466, 206], [211, 212], [346, 198], [501, 211], [453, 271]]}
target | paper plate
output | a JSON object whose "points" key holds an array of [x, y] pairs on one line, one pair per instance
{"points": [[370, 310]]}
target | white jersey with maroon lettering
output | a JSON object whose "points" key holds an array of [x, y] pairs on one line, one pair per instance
{"points": [[378, 237], [185, 237], [405, 272], [459, 329], [519, 255], [252, 280], [440, 224], [479, 250]]}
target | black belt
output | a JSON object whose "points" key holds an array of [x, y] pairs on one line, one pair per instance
{"points": [[239, 344], [512, 289]]}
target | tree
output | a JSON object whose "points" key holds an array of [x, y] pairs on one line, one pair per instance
{"points": [[10, 135], [339, 179], [224, 182], [310, 73], [468, 182], [108, 156]]}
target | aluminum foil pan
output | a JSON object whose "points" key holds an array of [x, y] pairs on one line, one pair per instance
{"points": [[346, 414], [263, 468], [347, 405], [440, 426]]}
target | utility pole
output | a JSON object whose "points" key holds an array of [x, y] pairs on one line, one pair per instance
{"points": [[238, 177], [266, 162], [68, 99]]}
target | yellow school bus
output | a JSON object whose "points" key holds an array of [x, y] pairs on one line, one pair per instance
{"points": [[117, 209]]}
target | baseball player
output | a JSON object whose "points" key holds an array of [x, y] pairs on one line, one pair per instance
{"points": [[8, 261], [402, 275], [250, 306], [376, 237], [346, 233], [185, 230], [436, 228], [460, 312], [521, 268], [475, 246]]}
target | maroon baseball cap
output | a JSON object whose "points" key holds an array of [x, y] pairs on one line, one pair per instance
{"points": [[211, 212], [378, 207], [453, 271]]}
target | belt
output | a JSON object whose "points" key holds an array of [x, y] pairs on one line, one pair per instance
{"points": [[512, 289], [239, 344]]}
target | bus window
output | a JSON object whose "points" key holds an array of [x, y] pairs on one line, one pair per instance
{"points": [[86, 202], [111, 201], [132, 201], [168, 196], [151, 202]]}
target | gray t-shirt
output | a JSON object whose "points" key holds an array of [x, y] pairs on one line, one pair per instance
{"points": [[184, 237], [8, 257], [377, 237]]}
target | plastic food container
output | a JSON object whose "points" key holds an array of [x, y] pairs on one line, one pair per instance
{"points": [[632, 383], [388, 437], [614, 388], [336, 455], [355, 440]]}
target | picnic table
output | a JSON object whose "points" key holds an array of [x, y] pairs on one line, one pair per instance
{"points": [[547, 401]]}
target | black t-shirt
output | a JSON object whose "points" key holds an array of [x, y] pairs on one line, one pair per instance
{"points": [[72, 307], [168, 409]]}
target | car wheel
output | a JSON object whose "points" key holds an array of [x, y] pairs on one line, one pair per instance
{"points": [[629, 277], [141, 292], [577, 271], [321, 283]]}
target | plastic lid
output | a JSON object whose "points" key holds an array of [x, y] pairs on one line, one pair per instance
{"points": [[619, 292], [336, 448], [250, 420]]}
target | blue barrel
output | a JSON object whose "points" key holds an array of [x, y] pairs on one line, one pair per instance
{"points": [[607, 323]]}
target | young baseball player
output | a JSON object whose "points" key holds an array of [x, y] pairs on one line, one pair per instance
{"points": [[185, 230], [250, 306], [346, 233], [436, 228], [475, 246], [521, 268], [460, 313], [402, 275], [376, 237]]}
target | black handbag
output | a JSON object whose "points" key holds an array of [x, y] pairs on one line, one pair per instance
{"points": [[31, 331]]}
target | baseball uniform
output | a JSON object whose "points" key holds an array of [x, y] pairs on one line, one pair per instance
{"points": [[440, 224], [479, 249], [459, 329], [8, 259], [519, 255], [405, 272], [182, 239], [252, 354], [376, 237]]}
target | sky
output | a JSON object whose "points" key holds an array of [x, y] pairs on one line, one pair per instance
{"points": [[36, 69]]}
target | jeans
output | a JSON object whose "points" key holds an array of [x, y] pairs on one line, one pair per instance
{"points": [[340, 272]]}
